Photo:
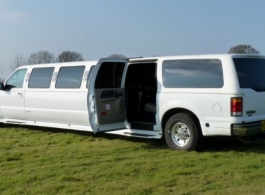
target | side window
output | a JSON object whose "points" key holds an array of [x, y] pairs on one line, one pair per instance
{"points": [[41, 77], [109, 75], [195, 73], [16, 80], [70, 77], [89, 76]]}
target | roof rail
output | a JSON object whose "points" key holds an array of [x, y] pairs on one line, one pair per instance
{"points": [[143, 60]]}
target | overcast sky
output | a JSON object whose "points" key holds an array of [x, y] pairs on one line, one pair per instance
{"points": [[98, 28]]}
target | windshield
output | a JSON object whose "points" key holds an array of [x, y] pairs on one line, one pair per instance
{"points": [[251, 73]]}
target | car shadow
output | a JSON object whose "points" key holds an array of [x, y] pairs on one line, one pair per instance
{"points": [[206, 144]]}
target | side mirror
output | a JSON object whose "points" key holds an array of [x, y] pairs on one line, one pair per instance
{"points": [[2, 86]]}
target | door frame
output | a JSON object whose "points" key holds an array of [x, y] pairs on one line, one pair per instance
{"points": [[93, 99]]}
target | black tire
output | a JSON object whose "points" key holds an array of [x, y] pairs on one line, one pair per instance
{"points": [[181, 132]]}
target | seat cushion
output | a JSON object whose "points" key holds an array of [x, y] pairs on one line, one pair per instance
{"points": [[150, 107]]}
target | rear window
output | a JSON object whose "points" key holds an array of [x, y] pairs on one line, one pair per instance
{"points": [[250, 72], [195, 73]]}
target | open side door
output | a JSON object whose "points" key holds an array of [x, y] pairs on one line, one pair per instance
{"points": [[106, 103]]}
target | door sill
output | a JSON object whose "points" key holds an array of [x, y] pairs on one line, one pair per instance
{"points": [[142, 125]]}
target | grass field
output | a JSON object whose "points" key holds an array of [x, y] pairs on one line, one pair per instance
{"points": [[45, 161]]}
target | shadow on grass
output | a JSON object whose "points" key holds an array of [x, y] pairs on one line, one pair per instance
{"points": [[206, 144], [223, 144]]}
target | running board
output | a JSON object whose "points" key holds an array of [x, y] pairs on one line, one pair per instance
{"points": [[14, 122], [137, 134]]}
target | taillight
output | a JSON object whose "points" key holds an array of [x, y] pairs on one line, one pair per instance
{"points": [[236, 106]]}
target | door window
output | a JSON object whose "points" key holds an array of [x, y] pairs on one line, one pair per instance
{"points": [[109, 75], [16, 80]]}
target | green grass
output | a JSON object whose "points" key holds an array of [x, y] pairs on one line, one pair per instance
{"points": [[45, 161]]}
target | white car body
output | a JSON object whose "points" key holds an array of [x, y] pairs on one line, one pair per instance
{"points": [[132, 97]]}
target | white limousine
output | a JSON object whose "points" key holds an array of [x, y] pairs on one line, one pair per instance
{"points": [[179, 98]]}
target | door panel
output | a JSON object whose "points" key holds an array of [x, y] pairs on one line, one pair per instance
{"points": [[65, 107], [110, 106], [106, 96], [12, 104]]}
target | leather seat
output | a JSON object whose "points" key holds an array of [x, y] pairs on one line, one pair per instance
{"points": [[150, 107]]}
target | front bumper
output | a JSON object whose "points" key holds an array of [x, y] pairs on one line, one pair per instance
{"points": [[247, 129]]}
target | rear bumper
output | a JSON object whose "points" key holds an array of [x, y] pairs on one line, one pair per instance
{"points": [[247, 129]]}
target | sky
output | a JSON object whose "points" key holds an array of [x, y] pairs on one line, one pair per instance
{"points": [[99, 28]]}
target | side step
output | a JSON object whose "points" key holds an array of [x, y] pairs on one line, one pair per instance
{"points": [[142, 125], [138, 134], [14, 122]]}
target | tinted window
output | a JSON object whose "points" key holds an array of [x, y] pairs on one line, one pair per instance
{"points": [[41, 77], [16, 79], [197, 73], [250, 72], [109, 75], [70, 77]]}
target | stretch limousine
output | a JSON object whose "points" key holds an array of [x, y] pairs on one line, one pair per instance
{"points": [[179, 98]]}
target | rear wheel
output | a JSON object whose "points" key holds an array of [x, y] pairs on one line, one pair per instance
{"points": [[181, 132]]}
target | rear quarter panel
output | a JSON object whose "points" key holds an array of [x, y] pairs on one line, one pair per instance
{"points": [[210, 105]]}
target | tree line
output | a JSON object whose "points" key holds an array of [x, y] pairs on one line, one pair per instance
{"points": [[42, 57]]}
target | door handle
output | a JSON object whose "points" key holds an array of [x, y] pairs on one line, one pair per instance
{"points": [[20, 94]]}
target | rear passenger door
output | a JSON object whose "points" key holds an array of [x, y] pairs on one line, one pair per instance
{"points": [[12, 97], [106, 102]]}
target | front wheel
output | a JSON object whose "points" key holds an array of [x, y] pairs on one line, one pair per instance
{"points": [[181, 132]]}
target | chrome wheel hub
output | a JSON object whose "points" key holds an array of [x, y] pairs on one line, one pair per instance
{"points": [[180, 134]]}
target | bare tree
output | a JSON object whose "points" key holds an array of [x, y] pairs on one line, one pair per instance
{"points": [[41, 57], [244, 49], [117, 56], [69, 56], [19, 60]]}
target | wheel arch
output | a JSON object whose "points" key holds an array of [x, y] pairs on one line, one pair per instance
{"points": [[173, 111]]}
